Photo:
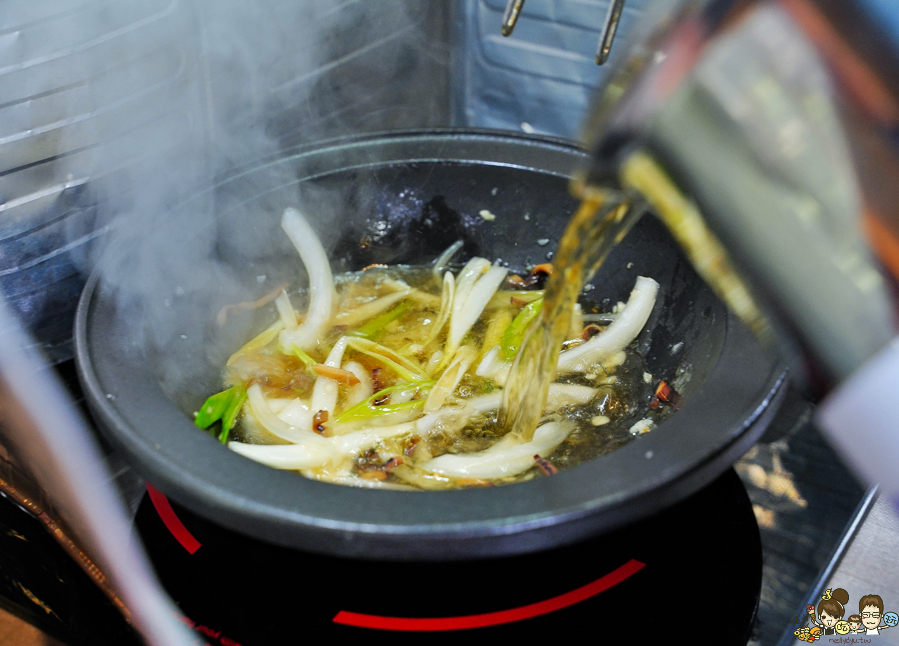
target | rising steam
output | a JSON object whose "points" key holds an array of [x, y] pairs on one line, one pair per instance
{"points": [[188, 92]]}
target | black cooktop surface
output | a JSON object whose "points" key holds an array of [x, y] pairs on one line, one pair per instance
{"points": [[638, 582]]}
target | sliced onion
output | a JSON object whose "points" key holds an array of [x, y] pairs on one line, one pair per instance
{"points": [[296, 413], [359, 441], [568, 395], [473, 292], [426, 300], [402, 416], [494, 366], [470, 273], [449, 419], [371, 309], [434, 362], [277, 404], [446, 305], [402, 366], [450, 378], [273, 424], [508, 457], [361, 391], [485, 403], [319, 452], [285, 456], [321, 282], [325, 390], [444, 258], [286, 311], [618, 335], [559, 395]]}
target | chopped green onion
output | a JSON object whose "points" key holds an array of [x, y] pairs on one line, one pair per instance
{"points": [[367, 409], [392, 360], [302, 356], [230, 415], [496, 328], [223, 406], [379, 411], [213, 408], [515, 333], [376, 326]]}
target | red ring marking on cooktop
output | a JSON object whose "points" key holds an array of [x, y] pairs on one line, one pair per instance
{"points": [[492, 618], [171, 520]]}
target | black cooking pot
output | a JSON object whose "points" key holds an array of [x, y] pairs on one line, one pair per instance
{"points": [[403, 198]]}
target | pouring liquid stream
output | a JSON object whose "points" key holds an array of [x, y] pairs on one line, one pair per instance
{"points": [[603, 219], [640, 172]]}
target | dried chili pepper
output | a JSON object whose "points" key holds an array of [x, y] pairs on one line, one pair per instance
{"points": [[667, 395], [545, 465], [376, 380], [337, 374], [318, 421], [517, 282], [590, 331]]}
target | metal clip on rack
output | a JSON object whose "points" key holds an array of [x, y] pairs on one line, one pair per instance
{"points": [[607, 36]]}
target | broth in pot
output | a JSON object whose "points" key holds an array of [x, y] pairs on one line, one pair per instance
{"points": [[394, 376]]}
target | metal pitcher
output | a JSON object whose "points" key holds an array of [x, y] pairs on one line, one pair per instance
{"points": [[777, 122]]}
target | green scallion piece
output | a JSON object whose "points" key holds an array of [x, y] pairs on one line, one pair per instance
{"points": [[514, 334], [223, 406], [230, 415], [213, 408], [370, 412], [404, 368], [367, 409], [375, 327], [302, 356]]}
